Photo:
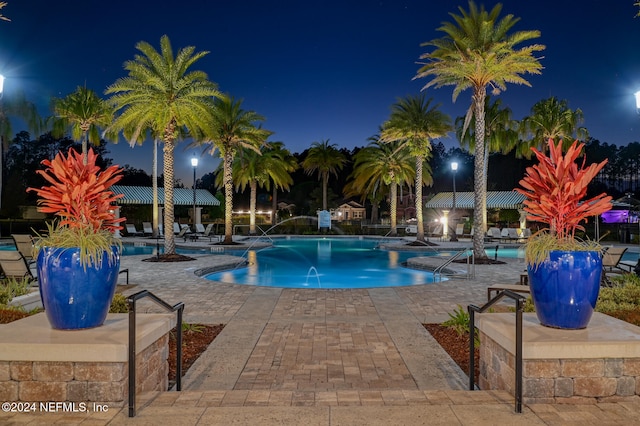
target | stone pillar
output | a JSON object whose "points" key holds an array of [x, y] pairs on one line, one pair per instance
{"points": [[445, 223]]}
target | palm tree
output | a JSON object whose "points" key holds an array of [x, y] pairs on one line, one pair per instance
{"points": [[326, 159], [257, 170], [163, 95], [499, 135], [16, 105], [379, 167], [84, 113], [233, 129], [414, 122], [281, 175], [477, 52], [552, 119]]}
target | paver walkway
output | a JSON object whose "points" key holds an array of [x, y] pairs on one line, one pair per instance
{"points": [[328, 357]]}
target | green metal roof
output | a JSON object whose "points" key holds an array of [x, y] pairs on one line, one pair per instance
{"points": [[464, 200], [181, 196]]}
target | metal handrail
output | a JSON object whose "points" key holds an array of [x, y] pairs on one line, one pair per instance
{"points": [[437, 272], [179, 308], [472, 309]]}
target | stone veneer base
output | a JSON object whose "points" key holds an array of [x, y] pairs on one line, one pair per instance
{"points": [[598, 364], [40, 364]]}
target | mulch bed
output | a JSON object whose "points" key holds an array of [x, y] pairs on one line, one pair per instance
{"points": [[456, 345], [194, 343]]}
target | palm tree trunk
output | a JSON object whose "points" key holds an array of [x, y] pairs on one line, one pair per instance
{"points": [[154, 186], [325, 184], [169, 218], [393, 195], [228, 197], [420, 234], [252, 207], [274, 205], [479, 184]]}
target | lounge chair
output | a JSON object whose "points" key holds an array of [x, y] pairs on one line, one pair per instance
{"points": [[460, 230], [24, 244], [513, 234], [199, 229], [183, 233], [132, 231], [208, 233], [493, 234], [611, 263], [437, 231], [147, 229], [15, 266]]}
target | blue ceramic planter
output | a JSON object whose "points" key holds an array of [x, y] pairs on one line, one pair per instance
{"points": [[565, 288], [74, 297]]}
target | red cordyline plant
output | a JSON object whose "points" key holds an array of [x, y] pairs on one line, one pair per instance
{"points": [[79, 193], [80, 196], [555, 188]]}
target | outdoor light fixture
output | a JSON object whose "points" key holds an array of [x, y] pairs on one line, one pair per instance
{"points": [[2, 85], [194, 164], [637, 95]]}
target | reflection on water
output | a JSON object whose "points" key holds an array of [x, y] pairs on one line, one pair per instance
{"points": [[326, 263]]}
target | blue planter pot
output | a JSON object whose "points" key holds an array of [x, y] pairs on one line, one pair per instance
{"points": [[74, 297], [565, 288]]}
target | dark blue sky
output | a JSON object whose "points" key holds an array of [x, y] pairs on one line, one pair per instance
{"points": [[321, 69]]}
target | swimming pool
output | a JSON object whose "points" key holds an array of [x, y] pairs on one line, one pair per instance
{"points": [[325, 263]]}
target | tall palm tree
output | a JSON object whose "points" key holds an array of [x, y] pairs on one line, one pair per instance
{"points": [[15, 105], [163, 94], [232, 129], [257, 170], [500, 134], [326, 159], [477, 52], [414, 122], [378, 169], [281, 177], [84, 113], [552, 119]]}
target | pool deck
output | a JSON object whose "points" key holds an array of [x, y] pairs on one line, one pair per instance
{"points": [[325, 357]]}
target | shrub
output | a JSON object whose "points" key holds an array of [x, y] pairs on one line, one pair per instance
{"points": [[11, 287], [119, 304]]}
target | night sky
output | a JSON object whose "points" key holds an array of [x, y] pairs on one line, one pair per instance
{"points": [[320, 69]]}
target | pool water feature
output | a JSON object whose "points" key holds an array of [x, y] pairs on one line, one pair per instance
{"points": [[325, 263]]}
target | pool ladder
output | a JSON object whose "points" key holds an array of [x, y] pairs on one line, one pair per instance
{"points": [[471, 265]]}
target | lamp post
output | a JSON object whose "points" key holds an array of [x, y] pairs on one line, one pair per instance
{"points": [[637, 95], [194, 164], [454, 169]]}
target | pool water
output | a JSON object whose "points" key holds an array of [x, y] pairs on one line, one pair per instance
{"points": [[325, 263]]}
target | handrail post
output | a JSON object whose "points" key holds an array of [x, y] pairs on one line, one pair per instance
{"points": [[472, 345], [518, 390], [472, 309], [179, 350], [132, 356], [179, 308]]}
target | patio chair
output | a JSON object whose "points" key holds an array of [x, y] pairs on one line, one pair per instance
{"points": [[436, 231], [493, 234], [24, 245], [199, 228], [208, 233], [513, 234], [183, 233], [611, 259], [132, 231], [15, 266], [147, 229], [460, 230]]}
